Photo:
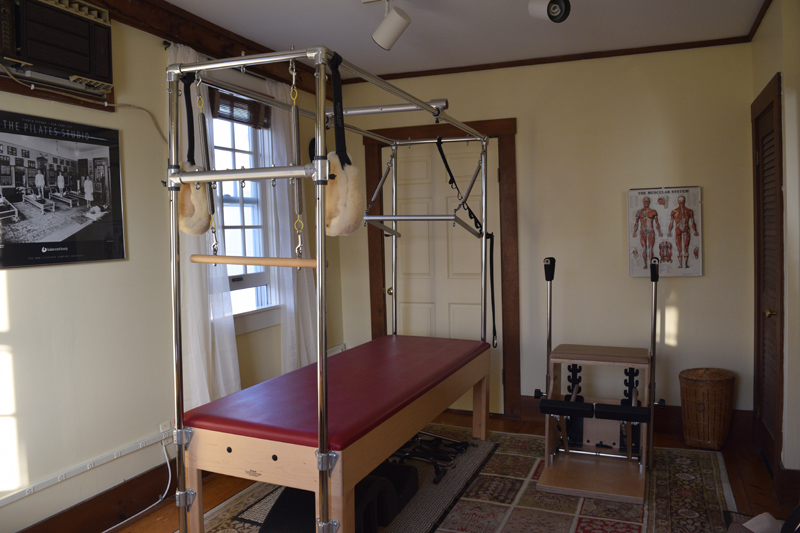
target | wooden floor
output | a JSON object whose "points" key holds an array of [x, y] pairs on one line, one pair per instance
{"points": [[750, 481]]}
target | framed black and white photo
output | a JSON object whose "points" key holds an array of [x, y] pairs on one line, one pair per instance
{"points": [[52, 209]]}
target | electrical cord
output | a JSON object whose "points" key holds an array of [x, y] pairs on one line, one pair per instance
{"points": [[34, 87], [160, 499]]}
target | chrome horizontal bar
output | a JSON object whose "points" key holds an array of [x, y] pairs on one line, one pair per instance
{"points": [[306, 171], [244, 61], [410, 142], [396, 91], [411, 218], [384, 227], [268, 100], [439, 103]]}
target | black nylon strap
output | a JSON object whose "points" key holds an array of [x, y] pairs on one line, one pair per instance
{"points": [[187, 97], [454, 185], [490, 236], [338, 111]]}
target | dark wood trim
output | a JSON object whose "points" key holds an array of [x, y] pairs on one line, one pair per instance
{"points": [[562, 59], [509, 274], [109, 508], [759, 18], [174, 24], [504, 130]]}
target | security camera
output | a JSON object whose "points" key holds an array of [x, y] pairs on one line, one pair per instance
{"points": [[555, 10]]}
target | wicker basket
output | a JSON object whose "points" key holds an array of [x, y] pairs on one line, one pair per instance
{"points": [[706, 405]]}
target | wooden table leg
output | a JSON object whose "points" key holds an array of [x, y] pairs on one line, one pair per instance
{"points": [[194, 481], [343, 502], [480, 409]]}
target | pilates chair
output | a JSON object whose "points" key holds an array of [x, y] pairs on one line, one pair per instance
{"points": [[597, 447]]}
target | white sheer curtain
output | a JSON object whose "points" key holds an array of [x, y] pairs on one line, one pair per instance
{"points": [[295, 287], [210, 358]]}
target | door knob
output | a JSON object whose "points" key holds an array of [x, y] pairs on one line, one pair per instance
{"points": [[389, 291], [769, 313]]}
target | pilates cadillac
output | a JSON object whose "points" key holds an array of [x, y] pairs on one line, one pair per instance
{"points": [[324, 427]]}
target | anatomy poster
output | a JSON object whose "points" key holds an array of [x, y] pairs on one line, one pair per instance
{"points": [[665, 223]]}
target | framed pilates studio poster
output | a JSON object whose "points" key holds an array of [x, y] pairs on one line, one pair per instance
{"points": [[666, 223], [60, 192]]}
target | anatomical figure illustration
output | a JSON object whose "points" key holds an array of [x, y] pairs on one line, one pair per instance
{"points": [[682, 219], [647, 225]]}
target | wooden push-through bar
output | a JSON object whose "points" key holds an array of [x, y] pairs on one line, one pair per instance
{"points": [[254, 261]]}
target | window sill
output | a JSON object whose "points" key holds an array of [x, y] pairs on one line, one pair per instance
{"points": [[258, 319]]}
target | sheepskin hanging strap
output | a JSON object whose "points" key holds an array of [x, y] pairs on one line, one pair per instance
{"points": [[344, 195], [338, 111], [194, 217], [188, 80]]}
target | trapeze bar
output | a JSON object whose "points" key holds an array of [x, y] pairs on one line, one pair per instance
{"points": [[264, 99], [254, 261], [467, 227], [422, 218], [391, 89], [244, 61], [439, 103], [472, 181], [385, 228], [239, 174], [383, 179], [410, 142]]}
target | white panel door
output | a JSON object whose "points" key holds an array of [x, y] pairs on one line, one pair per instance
{"points": [[439, 265]]}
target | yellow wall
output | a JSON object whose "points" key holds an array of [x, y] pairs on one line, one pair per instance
{"points": [[89, 345], [588, 131]]}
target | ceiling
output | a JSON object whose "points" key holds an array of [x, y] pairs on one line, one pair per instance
{"points": [[448, 34]]}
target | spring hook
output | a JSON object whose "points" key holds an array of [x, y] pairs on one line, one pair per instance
{"points": [[298, 226]]}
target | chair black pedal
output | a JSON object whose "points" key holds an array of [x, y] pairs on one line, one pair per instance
{"points": [[376, 503], [566, 408], [403, 477], [621, 413], [294, 511]]}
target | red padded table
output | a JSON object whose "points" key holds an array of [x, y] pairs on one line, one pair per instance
{"points": [[379, 395], [366, 385]]}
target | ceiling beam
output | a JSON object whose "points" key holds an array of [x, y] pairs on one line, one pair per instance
{"points": [[174, 24]]}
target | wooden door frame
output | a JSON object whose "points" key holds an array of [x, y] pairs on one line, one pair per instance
{"points": [[770, 96], [504, 130]]}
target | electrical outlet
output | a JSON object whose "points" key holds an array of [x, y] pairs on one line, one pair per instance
{"points": [[89, 466], [117, 455], [28, 491], [142, 444], [166, 432], [62, 477]]}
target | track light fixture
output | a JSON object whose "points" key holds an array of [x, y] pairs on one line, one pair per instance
{"points": [[555, 10], [394, 24]]}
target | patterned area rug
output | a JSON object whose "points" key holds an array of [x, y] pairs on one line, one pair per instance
{"points": [[688, 492]]}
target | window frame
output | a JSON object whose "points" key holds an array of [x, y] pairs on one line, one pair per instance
{"points": [[242, 280]]}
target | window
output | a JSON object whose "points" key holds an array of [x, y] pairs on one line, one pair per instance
{"points": [[239, 129]]}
